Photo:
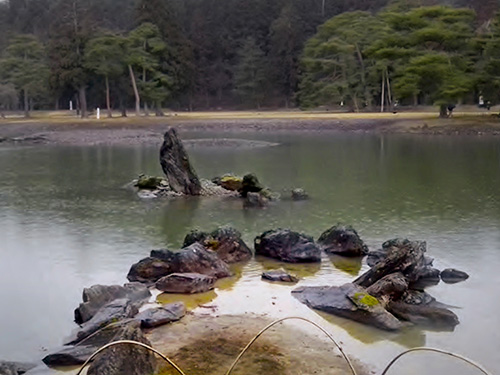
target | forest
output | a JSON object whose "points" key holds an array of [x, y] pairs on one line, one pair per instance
{"points": [[147, 55]]}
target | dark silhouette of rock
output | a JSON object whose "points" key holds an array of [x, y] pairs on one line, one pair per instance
{"points": [[97, 296], [342, 240], [452, 276], [110, 313], [175, 164], [250, 184], [287, 246], [348, 301], [149, 270], [279, 275], [158, 316], [15, 368], [185, 283], [70, 356], [125, 359], [225, 241], [390, 287], [425, 315]]}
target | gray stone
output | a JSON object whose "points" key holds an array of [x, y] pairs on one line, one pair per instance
{"points": [[299, 194], [279, 275], [158, 316], [425, 315], [452, 276], [185, 283], [390, 287], [70, 356], [342, 240], [287, 246], [15, 368], [149, 270], [255, 200], [348, 301]]}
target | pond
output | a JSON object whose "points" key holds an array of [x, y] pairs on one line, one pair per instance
{"points": [[68, 223]]}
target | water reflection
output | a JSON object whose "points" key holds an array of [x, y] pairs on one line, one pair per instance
{"points": [[350, 265], [301, 270]]}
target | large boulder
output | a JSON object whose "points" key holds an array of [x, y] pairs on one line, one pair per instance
{"points": [[287, 246], [175, 163], [149, 270], [185, 283], [348, 301], [158, 316], [425, 315], [125, 359], [97, 296], [15, 368], [452, 276], [112, 312], [225, 241], [342, 240]]}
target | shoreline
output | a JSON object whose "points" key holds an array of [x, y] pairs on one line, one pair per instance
{"points": [[133, 130]]}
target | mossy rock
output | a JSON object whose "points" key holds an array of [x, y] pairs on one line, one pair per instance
{"points": [[364, 300], [232, 183], [150, 182]]}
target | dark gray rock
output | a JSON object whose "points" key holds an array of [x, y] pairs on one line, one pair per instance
{"points": [[15, 368], [125, 359], [279, 275], [255, 200], [149, 270], [97, 296], [452, 276], [195, 235], [250, 184], [158, 316], [110, 313], [425, 315], [287, 246], [70, 356], [185, 283], [390, 287], [299, 194], [175, 164], [348, 301], [342, 240], [417, 297]]}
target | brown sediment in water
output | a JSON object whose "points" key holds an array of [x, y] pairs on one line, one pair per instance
{"points": [[204, 344]]}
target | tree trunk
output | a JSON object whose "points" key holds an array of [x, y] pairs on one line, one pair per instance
{"points": [[382, 100], [108, 102], [26, 104], [56, 107], [83, 102], [158, 111], [443, 111], [136, 92], [146, 109], [123, 109]]}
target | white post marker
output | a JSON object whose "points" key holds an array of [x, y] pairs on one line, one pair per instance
{"points": [[98, 113], [70, 105]]}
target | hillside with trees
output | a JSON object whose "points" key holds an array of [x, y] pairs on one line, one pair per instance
{"points": [[146, 55]]}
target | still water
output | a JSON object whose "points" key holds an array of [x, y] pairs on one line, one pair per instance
{"points": [[66, 223]]}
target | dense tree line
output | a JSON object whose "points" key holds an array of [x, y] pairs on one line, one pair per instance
{"points": [[206, 54]]}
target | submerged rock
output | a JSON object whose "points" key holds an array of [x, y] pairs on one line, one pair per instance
{"points": [[185, 283], [97, 296], [452, 276], [425, 315], [175, 163], [158, 316], [279, 275], [287, 246], [299, 194], [15, 368], [125, 358], [342, 240], [255, 200], [348, 301]]}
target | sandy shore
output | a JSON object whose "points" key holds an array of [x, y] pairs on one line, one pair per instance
{"points": [[134, 130]]}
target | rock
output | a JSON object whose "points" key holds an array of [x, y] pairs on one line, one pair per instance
{"points": [[375, 256], [255, 200], [279, 275], [342, 240], [402, 256], [176, 166], [97, 296], [150, 182], [348, 301], [149, 270], [125, 359], [417, 297], [110, 313], [229, 182], [250, 184], [158, 316], [390, 287], [424, 315], [299, 194], [452, 276], [225, 241], [15, 368], [185, 283], [287, 246], [70, 356]]}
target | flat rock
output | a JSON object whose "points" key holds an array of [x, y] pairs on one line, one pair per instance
{"points": [[279, 275], [97, 296], [342, 240], [348, 301], [452, 276], [70, 356], [158, 316], [185, 283], [426, 315], [15, 368], [287, 246]]}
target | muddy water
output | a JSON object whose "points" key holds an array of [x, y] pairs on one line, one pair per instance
{"points": [[66, 224]]}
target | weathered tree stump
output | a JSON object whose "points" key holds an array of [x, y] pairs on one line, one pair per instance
{"points": [[175, 164]]}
